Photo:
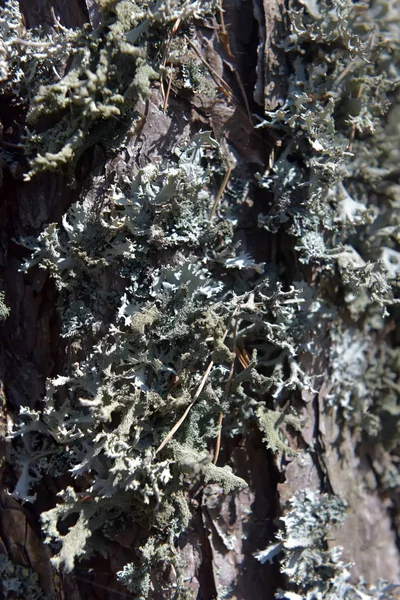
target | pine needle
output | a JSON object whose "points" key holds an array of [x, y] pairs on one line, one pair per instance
{"points": [[218, 441], [220, 192], [185, 414], [202, 383], [164, 62], [221, 415]]}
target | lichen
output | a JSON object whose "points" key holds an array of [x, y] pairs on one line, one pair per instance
{"points": [[19, 582], [335, 196], [153, 556], [309, 559], [4, 310], [130, 379], [332, 182], [82, 86], [270, 422]]}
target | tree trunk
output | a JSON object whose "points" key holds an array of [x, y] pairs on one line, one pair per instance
{"points": [[291, 363]]}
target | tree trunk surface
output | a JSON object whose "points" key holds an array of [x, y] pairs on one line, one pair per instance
{"points": [[225, 530]]}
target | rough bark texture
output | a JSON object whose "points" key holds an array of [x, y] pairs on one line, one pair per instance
{"points": [[226, 529]]}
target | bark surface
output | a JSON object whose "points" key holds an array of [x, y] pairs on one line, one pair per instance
{"points": [[226, 530]]}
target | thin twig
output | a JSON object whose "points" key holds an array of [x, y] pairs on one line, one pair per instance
{"points": [[31, 43], [243, 92], [221, 414], [218, 440], [168, 90], [12, 145], [220, 192], [164, 62], [224, 39], [346, 70], [221, 18], [222, 84], [100, 586], [185, 414], [243, 357], [202, 383], [56, 22]]}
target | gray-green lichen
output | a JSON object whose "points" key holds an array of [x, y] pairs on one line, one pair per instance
{"points": [[336, 194], [308, 557], [19, 582], [4, 310], [150, 258], [153, 555], [333, 183], [270, 421]]}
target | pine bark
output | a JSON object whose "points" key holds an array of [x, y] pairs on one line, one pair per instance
{"points": [[31, 349]]}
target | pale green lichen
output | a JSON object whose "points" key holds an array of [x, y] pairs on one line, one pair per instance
{"points": [[114, 404], [27, 58], [308, 557], [270, 422], [19, 583], [193, 463], [82, 86]]}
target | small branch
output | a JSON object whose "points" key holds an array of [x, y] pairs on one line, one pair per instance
{"points": [[12, 145], [31, 43], [196, 396], [218, 441], [57, 23], [164, 62], [185, 414], [220, 192], [221, 18], [243, 357], [168, 90]]}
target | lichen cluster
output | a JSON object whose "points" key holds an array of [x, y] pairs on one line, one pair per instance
{"points": [[312, 565], [151, 292], [19, 582], [157, 298], [333, 183], [82, 86], [336, 193]]}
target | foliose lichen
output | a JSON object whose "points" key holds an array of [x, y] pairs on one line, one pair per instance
{"points": [[82, 86], [19, 582], [146, 318], [308, 558], [335, 192], [4, 310], [333, 181]]}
